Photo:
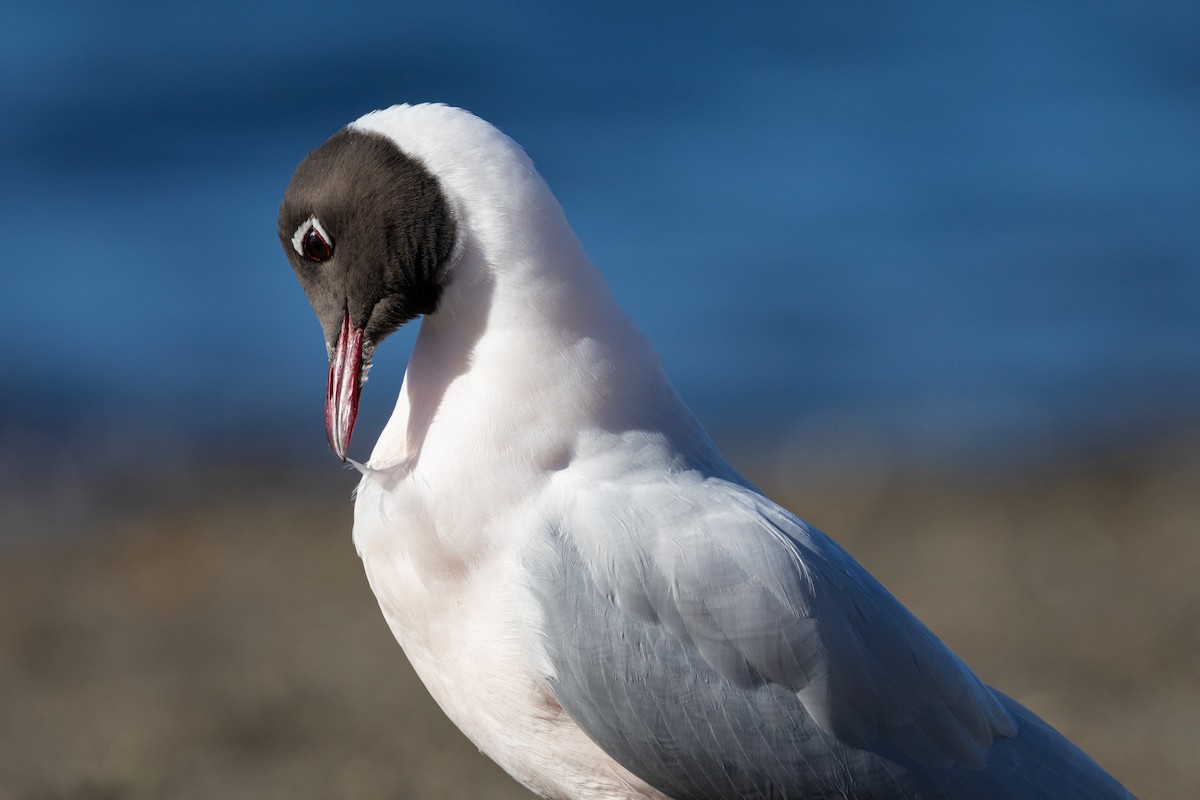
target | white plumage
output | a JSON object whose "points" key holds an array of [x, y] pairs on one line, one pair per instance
{"points": [[593, 595]]}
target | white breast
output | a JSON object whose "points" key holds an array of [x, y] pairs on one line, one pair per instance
{"points": [[468, 626]]}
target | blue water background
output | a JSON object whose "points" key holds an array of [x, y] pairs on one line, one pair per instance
{"points": [[957, 231]]}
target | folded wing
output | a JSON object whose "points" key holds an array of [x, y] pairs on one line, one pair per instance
{"points": [[719, 647]]}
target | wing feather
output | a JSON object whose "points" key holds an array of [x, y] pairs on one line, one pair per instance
{"points": [[719, 647], [765, 597]]}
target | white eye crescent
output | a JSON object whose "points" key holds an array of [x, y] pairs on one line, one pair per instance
{"points": [[311, 241]]}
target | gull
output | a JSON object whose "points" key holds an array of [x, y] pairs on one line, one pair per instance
{"points": [[590, 592]]}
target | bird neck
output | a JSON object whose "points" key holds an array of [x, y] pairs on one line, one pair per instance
{"points": [[527, 351], [528, 360]]}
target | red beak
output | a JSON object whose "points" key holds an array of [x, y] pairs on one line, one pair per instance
{"points": [[345, 383]]}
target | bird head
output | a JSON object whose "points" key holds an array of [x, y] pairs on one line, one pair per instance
{"points": [[369, 234]]}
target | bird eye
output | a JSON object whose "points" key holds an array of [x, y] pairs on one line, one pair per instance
{"points": [[312, 241], [315, 247]]}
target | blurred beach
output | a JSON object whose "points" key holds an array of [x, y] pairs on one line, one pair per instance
{"points": [[214, 636]]}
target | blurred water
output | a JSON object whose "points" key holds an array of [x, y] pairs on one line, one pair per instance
{"points": [[959, 230]]}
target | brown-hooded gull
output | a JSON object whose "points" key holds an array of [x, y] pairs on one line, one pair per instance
{"points": [[586, 587]]}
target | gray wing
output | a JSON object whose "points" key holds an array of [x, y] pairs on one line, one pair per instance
{"points": [[719, 647]]}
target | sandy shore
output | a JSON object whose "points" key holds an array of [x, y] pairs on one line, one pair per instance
{"points": [[220, 641]]}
